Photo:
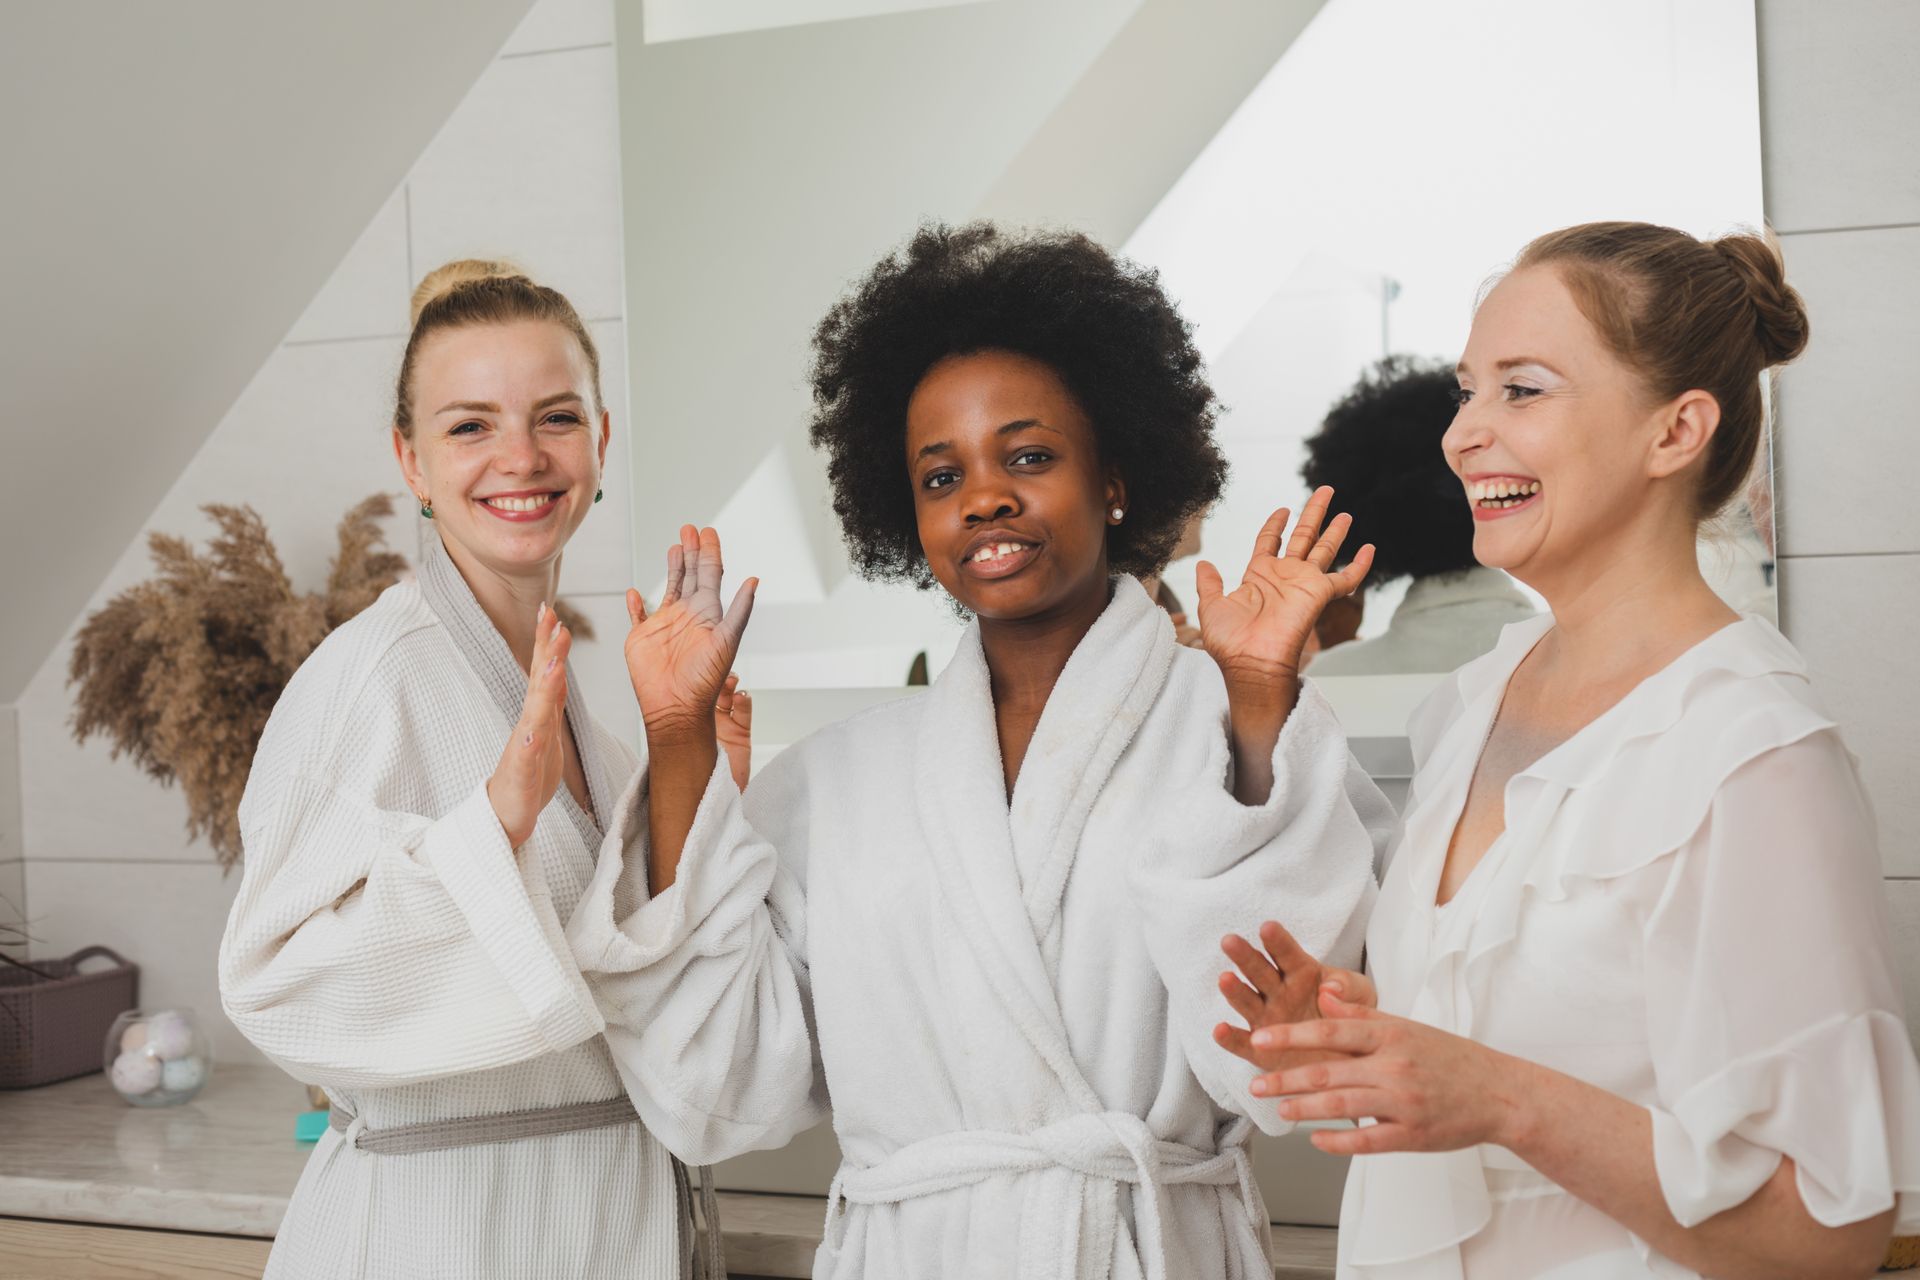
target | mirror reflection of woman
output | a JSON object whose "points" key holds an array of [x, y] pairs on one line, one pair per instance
{"points": [[423, 814], [1636, 1010], [1015, 881]]}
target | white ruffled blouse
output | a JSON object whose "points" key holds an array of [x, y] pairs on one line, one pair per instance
{"points": [[1685, 909]]}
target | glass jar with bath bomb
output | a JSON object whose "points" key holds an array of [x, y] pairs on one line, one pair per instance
{"points": [[157, 1057]]}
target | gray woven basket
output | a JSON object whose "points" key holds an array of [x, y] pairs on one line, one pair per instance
{"points": [[55, 1027]]}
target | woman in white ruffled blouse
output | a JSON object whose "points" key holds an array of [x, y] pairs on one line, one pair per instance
{"points": [[1636, 1015]]}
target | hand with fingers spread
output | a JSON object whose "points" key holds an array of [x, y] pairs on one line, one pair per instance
{"points": [[535, 759], [1258, 631], [733, 726], [1426, 1089], [1277, 986], [680, 655]]}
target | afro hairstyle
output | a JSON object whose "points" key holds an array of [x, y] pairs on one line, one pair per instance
{"points": [[1102, 324], [1379, 448]]}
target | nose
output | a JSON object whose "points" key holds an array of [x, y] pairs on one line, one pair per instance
{"points": [[519, 453], [989, 501], [1466, 433]]}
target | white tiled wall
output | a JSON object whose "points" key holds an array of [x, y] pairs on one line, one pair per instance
{"points": [[1840, 112], [526, 168]]}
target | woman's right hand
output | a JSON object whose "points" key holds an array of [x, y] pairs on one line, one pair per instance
{"points": [[531, 767], [679, 656]]}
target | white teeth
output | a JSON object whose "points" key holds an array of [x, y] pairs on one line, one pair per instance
{"points": [[995, 551], [517, 504]]}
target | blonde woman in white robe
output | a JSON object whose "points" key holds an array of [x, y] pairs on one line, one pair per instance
{"points": [[1016, 881], [425, 807], [1636, 1011]]}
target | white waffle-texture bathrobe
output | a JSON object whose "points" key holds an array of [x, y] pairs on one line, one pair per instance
{"points": [[388, 945], [1015, 1002]]}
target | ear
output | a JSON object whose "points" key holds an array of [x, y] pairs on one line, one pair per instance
{"points": [[1116, 493], [606, 434], [1684, 429], [409, 461]]}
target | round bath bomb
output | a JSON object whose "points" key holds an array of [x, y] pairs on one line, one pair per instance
{"points": [[134, 1038], [170, 1035], [136, 1073], [183, 1075]]}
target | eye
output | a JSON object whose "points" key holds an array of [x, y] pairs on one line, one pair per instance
{"points": [[939, 479], [467, 428], [1515, 391], [1031, 457], [563, 419], [1459, 396]]}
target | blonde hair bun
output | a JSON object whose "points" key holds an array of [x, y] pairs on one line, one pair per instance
{"points": [[445, 279]]}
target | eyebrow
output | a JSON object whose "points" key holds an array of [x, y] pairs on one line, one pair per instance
{"points": [[487, 406], [1514, 362], [1006, 429]]}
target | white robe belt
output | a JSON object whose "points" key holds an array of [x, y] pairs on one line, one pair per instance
{"points": [[1111, 1147]]}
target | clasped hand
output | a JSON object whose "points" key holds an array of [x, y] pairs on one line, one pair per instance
{"points": [[1327, 1053]]}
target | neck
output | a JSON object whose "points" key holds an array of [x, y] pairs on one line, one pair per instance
{"points": [[1632, 603], [1025, 656], [510, 601]]}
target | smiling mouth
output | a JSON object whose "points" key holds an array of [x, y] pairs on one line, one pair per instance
{"points": [[522, 507], [999, 559], [1502, 494]]}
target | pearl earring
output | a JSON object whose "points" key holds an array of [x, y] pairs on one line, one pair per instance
{"points": [[1118, 515]]}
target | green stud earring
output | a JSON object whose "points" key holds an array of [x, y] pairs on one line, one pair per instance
{"points": [[426, 508], [599, 494]]}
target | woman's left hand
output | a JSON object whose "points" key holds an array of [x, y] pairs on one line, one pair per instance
{"points": [[1257, 632], [1426, 1089]]}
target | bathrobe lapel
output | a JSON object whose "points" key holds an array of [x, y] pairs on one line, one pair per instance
{"points": [[1003, 869], [566, 863]]}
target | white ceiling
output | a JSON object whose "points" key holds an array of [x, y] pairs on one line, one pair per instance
{"points": [[179, 181]]}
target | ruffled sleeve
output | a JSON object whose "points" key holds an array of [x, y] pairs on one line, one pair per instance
{"points": [[1773, 1014]]}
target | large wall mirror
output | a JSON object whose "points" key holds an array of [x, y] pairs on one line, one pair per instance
{"points": [[1320, 184]]}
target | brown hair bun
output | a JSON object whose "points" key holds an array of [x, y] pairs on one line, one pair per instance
{"points": [[1780, 315]]}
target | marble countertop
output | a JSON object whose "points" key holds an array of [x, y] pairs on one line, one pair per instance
{"points": [[226, 1164]]}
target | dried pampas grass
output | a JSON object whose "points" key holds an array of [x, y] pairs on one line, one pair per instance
{"points": [[181, 672]]}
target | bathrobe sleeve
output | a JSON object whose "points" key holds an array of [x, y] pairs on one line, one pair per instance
{"points": [[1772, 1010], [704, 987], [1212, 866], [370, 947]]}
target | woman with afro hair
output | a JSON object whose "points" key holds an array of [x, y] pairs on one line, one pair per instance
{"points": [[1016, 882]]}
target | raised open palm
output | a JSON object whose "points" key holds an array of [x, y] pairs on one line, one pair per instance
{"points": [[1259, 630], [679, 656]]}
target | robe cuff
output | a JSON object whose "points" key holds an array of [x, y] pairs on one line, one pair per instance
{"points": [[603, 944], [509, 910]]}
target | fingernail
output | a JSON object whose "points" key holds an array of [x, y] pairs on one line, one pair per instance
{"points": [[1264, 1039], [1259, 1086], [541, 616], [551, 662], [1285, 1108]]}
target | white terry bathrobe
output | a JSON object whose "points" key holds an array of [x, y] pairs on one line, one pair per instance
{"points": [[388, 945], [1015, 1002]]}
